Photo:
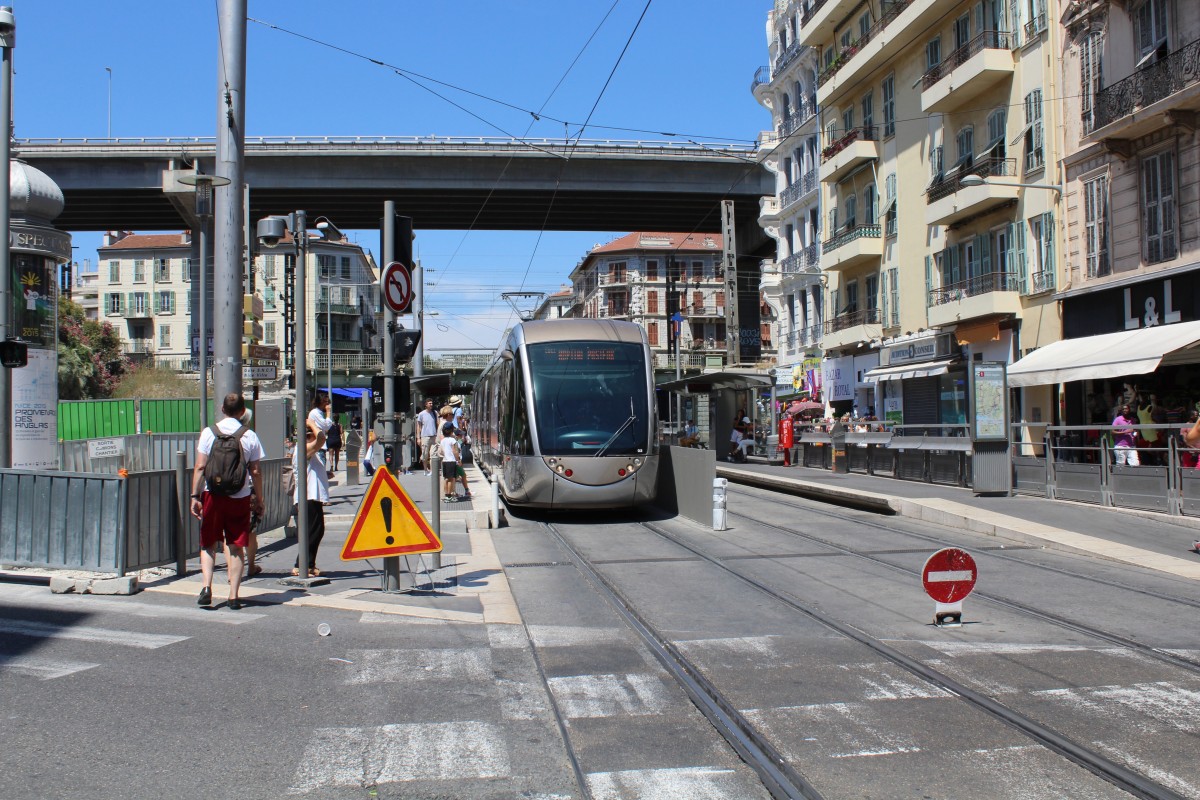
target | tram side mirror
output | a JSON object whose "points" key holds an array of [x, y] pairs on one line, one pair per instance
{"points": [[506, 354]]}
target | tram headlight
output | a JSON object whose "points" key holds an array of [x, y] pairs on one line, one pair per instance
{"points": [[559, 469]]}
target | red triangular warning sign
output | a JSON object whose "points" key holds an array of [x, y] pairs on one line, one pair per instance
{"points": [[388, 523]]}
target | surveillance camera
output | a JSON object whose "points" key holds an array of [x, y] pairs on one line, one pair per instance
{"points": [[8, 23], [271, 230]]}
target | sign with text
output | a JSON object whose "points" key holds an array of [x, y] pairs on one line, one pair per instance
{"points": [[35, 412], [106, 448], [838, 378], [989, 395], [259, 372]]}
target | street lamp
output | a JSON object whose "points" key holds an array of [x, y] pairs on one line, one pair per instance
{"points": [[204, 208], [978, 180]]}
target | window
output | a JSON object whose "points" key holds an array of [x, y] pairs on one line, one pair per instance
{"points": [[139, 270], [114, 272], [651, 302], [652, 334], [846, 41], [851, 211], [1090, 78], [894, 291], [268, 270], [851, 294], [1037, 18], [1041, 230], [1014, 9], [872, 298], [864, 25], [996, 122], [965, 144], [164, 302], [935, 165], [829, 55], [139, 304], [1095, 226], [962, 31], [269, 298], [848, 119], [1152, 31], [889, 105], [868, 112], [187, 270], [162, 270], [115, 303], [870, 205], [1035, 157], [164, 335], [346, 267], [1158, 207], [269, 332], [933, 53], [651, 270], [890, 209], [326, 265], [833, 218]]}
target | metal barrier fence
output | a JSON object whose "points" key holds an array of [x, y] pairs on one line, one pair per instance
{"points": [[927, 453], [1080, 462], [137, 452]]}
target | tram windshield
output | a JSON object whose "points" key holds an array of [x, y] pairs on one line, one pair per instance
{"points": [[590, 398]]}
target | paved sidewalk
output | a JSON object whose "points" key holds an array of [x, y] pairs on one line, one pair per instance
{"points": [[1153, 541]]}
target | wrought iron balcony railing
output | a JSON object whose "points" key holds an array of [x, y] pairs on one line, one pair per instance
{"points": [[762, 76], [806, 260], [889, 14], [788, 56], [868, 316], [988, 40], [867, 133], [1039, 282], [811, 11], [796, 119], [1148, 85], [806, 184], [984, 168], [1034, 27], [973, 287], [857, 232]]}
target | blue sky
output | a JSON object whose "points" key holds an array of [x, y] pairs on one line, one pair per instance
{"points": [[687, 70]]}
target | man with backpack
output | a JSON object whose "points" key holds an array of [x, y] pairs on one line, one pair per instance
{"points": [[225, 490]]}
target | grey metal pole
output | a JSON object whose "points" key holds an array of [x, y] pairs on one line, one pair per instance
{"points": [[329, 342], [183, 490], [299, 367], [8, 34], [435, 506], [227, 234], [391, 564], [204, 320], [418, 282]]}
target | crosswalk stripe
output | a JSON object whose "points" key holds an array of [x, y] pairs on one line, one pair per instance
{"points": [[45, 630], [694, 783], [41, 668], [411, 666], [40, 600], [581, 696]]}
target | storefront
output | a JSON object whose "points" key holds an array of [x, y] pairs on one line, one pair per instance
{"points": [[922, 381], [1123, 344]]}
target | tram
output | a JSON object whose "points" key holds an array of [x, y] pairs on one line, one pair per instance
{"points": [[564, 416]]}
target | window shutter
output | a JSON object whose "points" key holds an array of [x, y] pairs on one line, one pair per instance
{"points": [[835, 296], [1049, 270], [983, 245], [172, 302], [157, 303], [928, 278], [883, 299], [1019, 255]]}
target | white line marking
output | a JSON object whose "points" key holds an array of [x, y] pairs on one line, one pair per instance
{"points": [[951, 575], [147, 641], [1163, 702], [408, 666], [743, 646], [395, 753], [1152, 772], [41, 668], [694, 783], [1004, 648], [582, 696], [869, 753], [567, 636]]}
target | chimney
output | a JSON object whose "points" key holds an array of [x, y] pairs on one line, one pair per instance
{"points": [[185, 237]]}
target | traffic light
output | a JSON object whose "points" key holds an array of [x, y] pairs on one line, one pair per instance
{"points": [[404, 345], [14, 354]]}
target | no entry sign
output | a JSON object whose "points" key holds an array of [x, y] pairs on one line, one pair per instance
{"points": [[949, 575], [396, 287]]}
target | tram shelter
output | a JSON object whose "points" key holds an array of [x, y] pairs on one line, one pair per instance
{"points": [[712, 399]]}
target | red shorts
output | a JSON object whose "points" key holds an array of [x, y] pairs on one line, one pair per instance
{"points": [[226, 516]]}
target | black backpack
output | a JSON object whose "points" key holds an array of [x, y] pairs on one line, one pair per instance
{"points": [[225, 470]]}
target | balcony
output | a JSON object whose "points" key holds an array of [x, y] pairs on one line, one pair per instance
{"points": [[799, 189], [824, 28], [339, 344], [137, 310], [704, 310], [968, 72], [807, 260], [789, 55], [995, 293], [798, 340], [850, 248], [138, 346], [857, 146], [613, 312], [614, 278], [1039, 283], [320, 361], [348, 309], [762, 78], [851, 328], [797, 119], [1137, 105], [948, 201]]}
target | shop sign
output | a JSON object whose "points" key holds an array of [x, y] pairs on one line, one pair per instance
{"points": [[924, 349], [839, 378], [1146, 304], [43, 241]]}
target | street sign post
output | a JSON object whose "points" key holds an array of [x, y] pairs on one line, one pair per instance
{"points": [[259, 372], [948, 577], [396, 286]]}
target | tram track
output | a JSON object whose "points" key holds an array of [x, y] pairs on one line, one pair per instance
{"points": [[756, 749], [817, 509]]}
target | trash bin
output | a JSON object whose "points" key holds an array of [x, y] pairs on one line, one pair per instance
{"points": [[837, 441]]}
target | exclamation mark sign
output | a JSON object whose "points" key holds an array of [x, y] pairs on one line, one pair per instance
{"points": [[385, 506]]}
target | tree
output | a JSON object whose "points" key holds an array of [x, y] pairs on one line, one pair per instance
{"points": [[149, 380], [90, 360]]}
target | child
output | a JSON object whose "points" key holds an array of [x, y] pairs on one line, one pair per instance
{"points": [[450, 458]]}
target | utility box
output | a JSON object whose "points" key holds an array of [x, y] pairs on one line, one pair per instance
{"points": [[837, 442]]}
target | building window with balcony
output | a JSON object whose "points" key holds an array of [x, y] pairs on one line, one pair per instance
{"points": [[1090, 77], [114, 272], [1151, 20], [868, 110], [1041, 231], [1095, 226], [872, 288], [962, 32], [964, 143], [848, 120], [139, 270], [139, 305], [1035, 157], [864, 24], [889, 105], [616, 272], [850, 294], [269, 332], [996, 122], [1158, 207], [1036, 10], [870, 205], [933, 53], [851, 202], [890, 208], [326, 265]]}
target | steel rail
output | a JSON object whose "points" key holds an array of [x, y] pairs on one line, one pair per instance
{"points": [[1128, 780]]}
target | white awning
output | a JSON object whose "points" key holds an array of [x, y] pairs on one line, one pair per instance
{"points": [[924, 369], [1109, 355]]}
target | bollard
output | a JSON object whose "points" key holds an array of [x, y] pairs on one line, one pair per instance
{"points": [[435, 503], [353, 446], [494, 497], [183, 489], [719, 489]]}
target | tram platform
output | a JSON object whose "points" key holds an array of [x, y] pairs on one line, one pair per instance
{"points": [[1144, 539]]}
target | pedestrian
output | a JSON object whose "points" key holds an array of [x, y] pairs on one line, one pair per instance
{"points": [[1187, 450], [456, 403], [691, 436], [252, 568], [450, 452], [459, 471], [333, 442], [1124, 433], [316, 495], [319, 415], [226, 490], [787, 434], [1191, 437], [370, 453], [427, 428]]}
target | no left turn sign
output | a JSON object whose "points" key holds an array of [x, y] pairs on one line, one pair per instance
{"points": [[396, 287]]}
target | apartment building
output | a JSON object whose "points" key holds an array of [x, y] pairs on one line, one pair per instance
{"points": [[627, 279], [556, 306], [791, 283], [937, 166], [1131, 157], [148, 288]]}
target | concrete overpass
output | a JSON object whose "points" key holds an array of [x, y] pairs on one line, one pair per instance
{"points": [[442, 183]]}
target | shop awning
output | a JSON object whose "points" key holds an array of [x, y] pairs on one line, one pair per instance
{"points": [[925, 369], [712, 381], [1109, 355]]}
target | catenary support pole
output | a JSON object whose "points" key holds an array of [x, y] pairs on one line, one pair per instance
{"points": [[391, 564], [227, 229], [7, 41], [300, 368]]}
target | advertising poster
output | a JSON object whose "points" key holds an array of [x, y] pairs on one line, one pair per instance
{"points": [[839, 379], [34, 294], [35, 412], [988, 389]]}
